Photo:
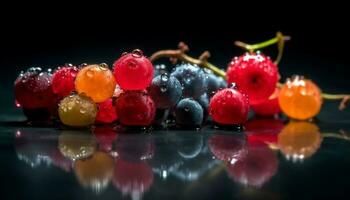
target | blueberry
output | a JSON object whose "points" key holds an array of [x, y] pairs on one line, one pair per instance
{"points": [[161, 116], [165, 91], [192, 78], [188, 112], [203, 100], [215, 83]]}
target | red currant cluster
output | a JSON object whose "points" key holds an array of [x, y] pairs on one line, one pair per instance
{"points": [[137, 94]]}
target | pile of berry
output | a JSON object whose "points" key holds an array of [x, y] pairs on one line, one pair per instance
{"points": [[135, 93]]}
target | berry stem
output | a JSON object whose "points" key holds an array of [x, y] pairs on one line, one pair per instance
{"points": [[179, 54], [279, 39], [345, 98], [341, 136]]}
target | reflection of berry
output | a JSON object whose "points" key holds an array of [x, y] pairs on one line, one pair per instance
{"points": [[228, 107], [132, 178], [106, 112], [134, 147], [96, 82], [33, 90], [264, 130], [269, 107], [256, 168], [255, 74], [105, 136], [133, 71], [299, 140], [300, 98], [77, 110], [135, 108], [228, 148], [96, 171], [60, 161], [63, 80]]}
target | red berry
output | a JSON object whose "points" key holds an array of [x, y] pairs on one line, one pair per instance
{"points": [[269, 107], [106, 112], [255, 74], [63, 80], [256, 168], [227, 147], [135, 108], [132, 178], [264, 130], [228, 107], [105, 137], [133, 71]]}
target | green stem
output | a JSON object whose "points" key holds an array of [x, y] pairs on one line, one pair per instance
{"points": [[334, 96]]}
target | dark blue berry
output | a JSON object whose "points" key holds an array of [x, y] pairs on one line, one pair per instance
{"points": [[192, 78], [215, 83], [203, 100], [188, 112], [165, 91], [161, 116]]}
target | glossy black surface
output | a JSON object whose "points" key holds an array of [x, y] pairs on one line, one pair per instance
{"points": [[114, 163]]}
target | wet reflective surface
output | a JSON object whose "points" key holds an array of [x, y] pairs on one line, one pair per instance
{"points": [[271, 159]]}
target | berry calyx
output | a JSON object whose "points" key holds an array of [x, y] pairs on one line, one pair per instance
{"points": [[135, 108], [96, 82], [255, 74], [133, 71], [300, 98], [63, 80], [229, 107]]}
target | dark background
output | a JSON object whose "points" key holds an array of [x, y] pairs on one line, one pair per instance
{"points": [[49, 37]]}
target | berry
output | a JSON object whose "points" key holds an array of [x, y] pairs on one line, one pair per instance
{"points": [[161, 116], [105, 137], [33, 90], [256, 168], [133, 71], [63, 80], [215, 83], [76, 144], [188, 112], [95, 172], [255, 74], [165, 91], [203, 100], [192, 78], [96, 82], [299, 140], [106, 112], [135, 108], [269, 107], [159, 70], [229, 107], [60, 161], [77, 110], [300, 98], [264, 130], [229, 148], [132, 178]]}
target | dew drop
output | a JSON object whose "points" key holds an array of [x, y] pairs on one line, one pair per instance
{"points": [[137, 53], [187, 109], [18, 105], [124, 53], [90, 73], [163, 89]]}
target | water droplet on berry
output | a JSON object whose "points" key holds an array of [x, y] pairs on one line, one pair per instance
{"points": [[82, 111], [103, 66], [83, 65], [137, 53], [90, 73], [163, 89], [187, 109], [18, 105], [233, 86]]}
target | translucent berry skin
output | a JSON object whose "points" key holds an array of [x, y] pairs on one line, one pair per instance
{"points": [[300, 98], [135, 108], [33, 89], [269, 107], [299, 140], [106, 112], [188, 112], [229, 107], [133, 71], [63, 80], [192, 78], [77, 111], [96, 82], [165, 91], [255, 74]]}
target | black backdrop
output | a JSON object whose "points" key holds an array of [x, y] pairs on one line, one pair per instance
{"points": [[49, 38]]}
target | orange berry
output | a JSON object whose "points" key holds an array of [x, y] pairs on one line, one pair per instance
{"points": [[96, 81], [299, 140], [300, 98]]}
